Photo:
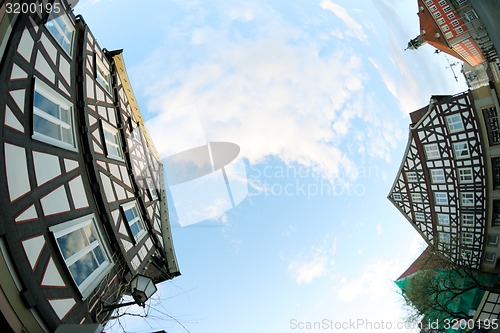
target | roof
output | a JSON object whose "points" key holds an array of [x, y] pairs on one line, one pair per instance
{"points": [[431, 33], [428, 259]]}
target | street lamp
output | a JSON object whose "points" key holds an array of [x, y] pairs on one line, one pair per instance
{"points": [[142, 288]]}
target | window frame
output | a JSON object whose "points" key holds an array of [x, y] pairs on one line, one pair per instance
{"points": [[446, 218], [454, 123], [467, 238], [412, 176], [436, 175], [461, 150], [492, 240], [59, 31], [465, 175], [419, 216], [465, 221], [432, 151], [443, 239], [416, 197], [137, 220], [103, 79], [62, 102], [464, 199], [92, 281], [441, 198], [115, 132]]}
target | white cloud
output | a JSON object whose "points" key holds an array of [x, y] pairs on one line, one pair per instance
{"points": [[374, 282], [274, 93], [355, 29], [315, 264]]}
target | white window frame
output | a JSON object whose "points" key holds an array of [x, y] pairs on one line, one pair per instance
{"points": [[437, 176], [455, 123], [102, 74], [492, 240], [432, 151], [444, 238], [93, 280], [419, 216], [411, 176], [459, 148], [468, 220], [57, 24], [153, 194], [455, 23], [443, 219], [465, 175], [441, 20], [397, 196], [445, 27], [51, 95], [467, 238], [490, 257], [441, 198], [416, 197], [136, 220], [115, 144], [467, 199]]}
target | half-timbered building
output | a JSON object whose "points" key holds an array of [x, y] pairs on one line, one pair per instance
{"points": [[445, 185], [82, 196]]}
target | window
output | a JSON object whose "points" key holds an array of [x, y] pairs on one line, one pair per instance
{"points": [[492, 125], [440, 21], [443, 219], [459, 30], [431, 151], [495, 170], [447, 9], [420, 216], [62, 30], [467, 220], [52, 117], [102, 74], [153, 194], [496, 212], [489, 257], [444, 238], [411, 177], [416, 197], [113, 142], [470, 15], [455, 23], [492, 239], [134, 220], [465, 175], [432, 8], [445, 27], [437, 14], [467, 238], [454, 123], [84, 252], [461, 2], [451, 16], [442, 3], [428, 2], [441, 198], [467, 199], [437, 175], [397, 196], [461, 150]]}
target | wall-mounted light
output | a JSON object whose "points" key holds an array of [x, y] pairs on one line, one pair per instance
{"points": [[142, 288]]}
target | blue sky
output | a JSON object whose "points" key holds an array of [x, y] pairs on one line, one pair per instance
{"points": [[316, 94]]}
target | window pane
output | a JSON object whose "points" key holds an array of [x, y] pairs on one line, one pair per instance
{"points": [[82, 268], [45, 127], [46, 105], [72, 243]]}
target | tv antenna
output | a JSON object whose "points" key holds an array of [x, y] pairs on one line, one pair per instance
{"points": [[451, 65]]}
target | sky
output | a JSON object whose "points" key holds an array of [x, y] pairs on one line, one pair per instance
{"points": [[316, 96]]}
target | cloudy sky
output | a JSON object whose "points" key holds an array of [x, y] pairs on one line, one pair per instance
{"points": [[316, 94]]}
